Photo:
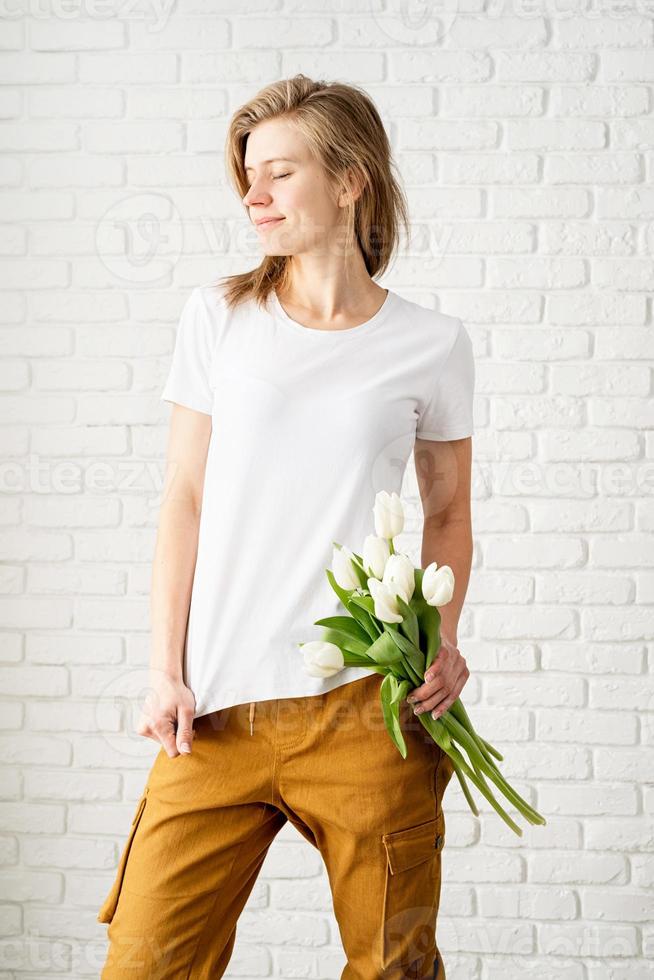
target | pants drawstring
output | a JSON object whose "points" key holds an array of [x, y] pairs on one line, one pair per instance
{"points": [[252, 707]]}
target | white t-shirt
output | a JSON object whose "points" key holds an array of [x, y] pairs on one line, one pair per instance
{"points": [[307, 426]]}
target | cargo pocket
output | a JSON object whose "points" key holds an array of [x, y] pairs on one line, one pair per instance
{"points": [[108, 909], [411, 894]]}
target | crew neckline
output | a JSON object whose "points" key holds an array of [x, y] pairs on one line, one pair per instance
{"points": [[346, 332]]}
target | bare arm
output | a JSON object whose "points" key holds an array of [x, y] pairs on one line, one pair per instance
{"points": [[443, 471], [168, 717]]}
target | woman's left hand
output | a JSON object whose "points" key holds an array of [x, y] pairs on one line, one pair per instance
{"points": [[448, 673]]}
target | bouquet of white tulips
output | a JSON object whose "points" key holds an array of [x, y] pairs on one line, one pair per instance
{"points": [[393, 627]]}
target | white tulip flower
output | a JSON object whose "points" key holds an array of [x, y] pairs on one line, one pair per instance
{"points": [[322, 659], [384, 601], [389, 514], [375, 555], [343, 569], [437, 584], [399, 576]]}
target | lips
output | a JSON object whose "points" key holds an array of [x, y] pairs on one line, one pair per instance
{"points": [[266, 222]]}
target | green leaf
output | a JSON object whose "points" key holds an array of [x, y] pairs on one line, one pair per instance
{"points": [[343, 594], [384, 651], [346, 624], [353, 608], [434, 647], [361, 574], [409, 624], [345, 641], [429, 621], [364, 602], [391, 712], [358, 568], [364, 606], [415, 657], [402, 690], [354, 660]]}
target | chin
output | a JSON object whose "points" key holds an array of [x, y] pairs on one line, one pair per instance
{"points": [[277, 252]]}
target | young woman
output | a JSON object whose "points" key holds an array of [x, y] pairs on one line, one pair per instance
{"points": [[299, 390]]}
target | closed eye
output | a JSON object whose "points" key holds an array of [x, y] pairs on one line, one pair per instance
{"points": [[278, 177]]}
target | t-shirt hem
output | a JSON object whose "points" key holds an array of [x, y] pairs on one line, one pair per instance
{"points": [[187, 402], [445, 436], [247, 698]]}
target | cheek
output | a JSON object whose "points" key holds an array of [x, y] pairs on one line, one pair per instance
{"points": [[306, 204]]}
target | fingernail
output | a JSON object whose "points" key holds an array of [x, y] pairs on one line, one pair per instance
{"points": [[428, 677], [185, 747]]}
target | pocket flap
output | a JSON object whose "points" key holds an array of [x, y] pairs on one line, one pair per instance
{"points": [[110, 903], [411, 846]]}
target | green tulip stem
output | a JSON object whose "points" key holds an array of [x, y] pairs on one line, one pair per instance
{"points": [[466, 789], [480, 761], [492, 749], [483, 788], [415, 676], [462, 718], [457, 731], [482, 766], [454, 733], [437, 730], [465, 720]]}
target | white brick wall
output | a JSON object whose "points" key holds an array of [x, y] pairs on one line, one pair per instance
{"points": [[525, 137]]}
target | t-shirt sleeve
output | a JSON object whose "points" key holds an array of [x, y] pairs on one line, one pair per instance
{"points": [[189, 376], [447, 414]]}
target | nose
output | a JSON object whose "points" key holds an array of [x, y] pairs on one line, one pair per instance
{"points": [[254, 194]]}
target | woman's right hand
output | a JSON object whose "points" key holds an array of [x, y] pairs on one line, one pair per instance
{"points": [[167, 714]]}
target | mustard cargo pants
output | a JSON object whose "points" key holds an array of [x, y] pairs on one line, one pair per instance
{"points": [[205, 821]]}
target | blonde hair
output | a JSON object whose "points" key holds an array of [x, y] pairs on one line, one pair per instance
{"points": [[345, 133]]}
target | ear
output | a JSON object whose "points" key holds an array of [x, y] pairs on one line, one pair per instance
{"points": [[355, 188]]}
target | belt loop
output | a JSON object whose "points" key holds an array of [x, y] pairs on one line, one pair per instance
{"points": [[252, 707]]}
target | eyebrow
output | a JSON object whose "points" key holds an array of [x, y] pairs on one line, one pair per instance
{"points": [[273, 159]]}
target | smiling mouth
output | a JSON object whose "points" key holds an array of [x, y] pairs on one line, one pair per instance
{"points": [[269, 222]]}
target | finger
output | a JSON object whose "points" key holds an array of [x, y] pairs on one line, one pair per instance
{"points": [[440, 661], [441, 664], [184, 729], [444, 706], [445, 703], [147, 733], [435, 694], [428, 689], [144, 730], [166, 733], [431, 702]]}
